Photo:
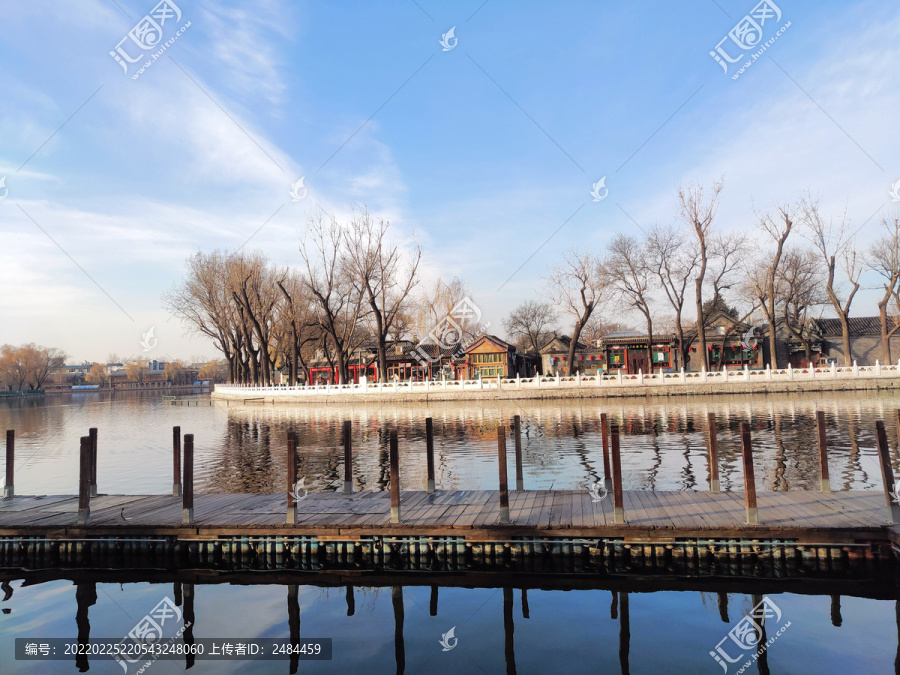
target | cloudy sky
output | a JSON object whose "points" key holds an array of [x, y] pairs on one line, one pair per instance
{"points": [[483, 148]]}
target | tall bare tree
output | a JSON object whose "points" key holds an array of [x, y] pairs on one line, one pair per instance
{"points": [[337, 302], [762, 274], [799, 287], [531, 323], [577, 286], [674, 262], [380, 275], [699, 211], [884, 259], [627, 266], [837, 251]]}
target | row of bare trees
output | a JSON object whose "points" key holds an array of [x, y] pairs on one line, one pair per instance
{"points": [[353, 286], [27, 367], [764, 274]]}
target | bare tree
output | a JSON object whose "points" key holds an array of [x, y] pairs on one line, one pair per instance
{"points": [[380, 276], [674, 262], [762, 274], [337, 302], [437, 301], [699, 212], [799, 287], [578, 285], [836, 246], [629, 272], [531, 323], [884, 259], [296, 325]]}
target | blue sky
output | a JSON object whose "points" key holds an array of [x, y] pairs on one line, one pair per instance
{"points": [[480, 153]]}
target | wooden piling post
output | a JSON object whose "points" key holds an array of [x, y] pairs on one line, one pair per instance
{"points": [[176, 461], [713, 452], [429, 453], [749, 479], [604, 436], [824, 481], [9, 487], [887, 474], [517, 436], [84, 482], [504, 483], [395, 478], [92, 433], [187, 484], [618, 503], [291, 477], [348, 458]]}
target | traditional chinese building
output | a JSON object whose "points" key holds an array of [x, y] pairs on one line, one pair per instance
{"points": [[555, 355], [489, 356]]}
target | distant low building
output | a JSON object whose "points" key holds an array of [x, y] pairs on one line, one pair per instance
{"points": [[865, 340], [555, 357], [489, 356]]}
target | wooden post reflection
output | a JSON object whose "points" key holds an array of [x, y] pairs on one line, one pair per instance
{"points": [[525, 611], [836, 619], [85, 596], [624, 633], [351, 601], [293, 603], [399, 648], [614, 606], [433, 604], [189, 619], [723, 606], [762, 654], [508, 630]]}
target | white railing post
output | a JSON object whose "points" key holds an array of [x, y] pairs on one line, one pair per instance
{"points": [[557, 380], [619, 375], [746, 373], [855, 369], [703, 376], [833, 367], [768, 372], [640, 376], [518, 381], [790, 371], [725, 372], [683, 376], [877, 368], [578, 378]]}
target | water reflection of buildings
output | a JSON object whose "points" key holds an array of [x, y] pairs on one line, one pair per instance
{"points": [[664, 442]]}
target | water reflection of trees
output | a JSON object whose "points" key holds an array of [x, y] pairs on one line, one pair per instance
{"points": [[662, 442]]}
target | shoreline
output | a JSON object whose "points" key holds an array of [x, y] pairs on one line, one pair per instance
{"points": [[605, 392]]}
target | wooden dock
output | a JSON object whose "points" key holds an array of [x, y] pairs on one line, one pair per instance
{"points": [[662, 516], [602, 529]]}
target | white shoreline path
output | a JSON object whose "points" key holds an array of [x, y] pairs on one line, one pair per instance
{"points": [[682, 383]]}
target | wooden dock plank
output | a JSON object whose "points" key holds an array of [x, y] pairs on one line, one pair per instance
{"points": [[667, 513]]}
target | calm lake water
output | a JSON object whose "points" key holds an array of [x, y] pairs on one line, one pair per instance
{"points": [[651, 629]]}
